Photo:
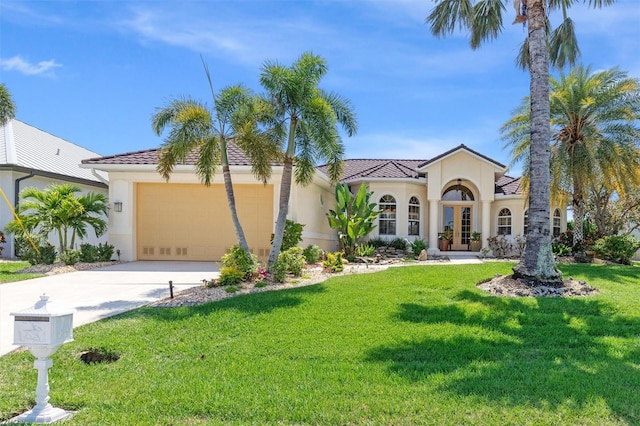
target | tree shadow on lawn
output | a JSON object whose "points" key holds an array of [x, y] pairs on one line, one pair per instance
{"points": [[251, 303], [543, 352], [621, 274]]}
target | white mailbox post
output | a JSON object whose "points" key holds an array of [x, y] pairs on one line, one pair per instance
{"points": [[42, 328]]}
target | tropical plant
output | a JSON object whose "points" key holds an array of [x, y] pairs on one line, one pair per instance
{"points": [[88, 253], [197, 130], [353, 216], [105, 252], [365, 250], [57, 209], [292, 235], [542, 47], [301, 119], [417, 246], [594, 136], [293, 260], [70, 257], [617, 248], [230, 276], [333, 263], [614, 213], [7, 107], [241, 260], [312, 254]]}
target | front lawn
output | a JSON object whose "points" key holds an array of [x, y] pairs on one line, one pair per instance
{"points": [[410, 345], [8, 272]]}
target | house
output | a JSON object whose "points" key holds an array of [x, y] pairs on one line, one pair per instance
{"points": [[181, 219], [30, 157]]}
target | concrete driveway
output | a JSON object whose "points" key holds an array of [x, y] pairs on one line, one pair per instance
{"points": [[101, 292]]}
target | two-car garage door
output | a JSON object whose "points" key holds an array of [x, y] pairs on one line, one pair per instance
{"points": [[192, 221]]}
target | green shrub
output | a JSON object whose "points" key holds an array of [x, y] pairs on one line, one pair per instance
{"points": [[617, 248], [560, 249], [105, 252], [47, 252], [232, 288], [365, 250], [278, 271], [230, 275], [312, 254], [70, 257], [417, 246], [245, 262], [293, 260], [398, 243], [292, 235], [333, 262], [378, 242], [88, 253]]}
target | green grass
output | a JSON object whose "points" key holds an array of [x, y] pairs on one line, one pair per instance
{"points": [[410, 345], [8, 272]]}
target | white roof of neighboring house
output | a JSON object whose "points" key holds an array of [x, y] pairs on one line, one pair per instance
{"points": [[26, 147]]}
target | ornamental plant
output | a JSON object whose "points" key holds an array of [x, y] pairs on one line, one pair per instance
{"points": [[353, 216]]}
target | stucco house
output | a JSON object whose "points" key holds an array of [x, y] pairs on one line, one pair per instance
{"points": [[30, 157], [182, 219]]}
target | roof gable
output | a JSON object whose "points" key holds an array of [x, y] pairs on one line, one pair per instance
{"points": [[464, 148]]}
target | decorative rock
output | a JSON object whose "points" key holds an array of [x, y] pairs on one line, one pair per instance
{"points": [[422, 255]]}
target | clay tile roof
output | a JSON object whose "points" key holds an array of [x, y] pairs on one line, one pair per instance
{"points": [[508, 185], [150, 156], [378, 168]]}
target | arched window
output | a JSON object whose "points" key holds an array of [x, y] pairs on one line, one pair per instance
{"points": [[504, 222], [526, 222], [457, 193], [414, 216], [387, 218], [556, 222]]}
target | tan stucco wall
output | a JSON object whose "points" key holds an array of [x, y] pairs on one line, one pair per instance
{"points": [[309, 206], [402, 192]]}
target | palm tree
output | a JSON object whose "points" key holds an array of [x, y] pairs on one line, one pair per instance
{"points": [[484, 19], [594, 135], [302, 118], [57, 209], [195, 129], [7, 107]]}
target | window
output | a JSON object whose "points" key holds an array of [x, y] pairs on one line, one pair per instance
{"points": [[457, 193], [526, 222], [504, 222], [387, 218], [556, 222], [414, 216]]}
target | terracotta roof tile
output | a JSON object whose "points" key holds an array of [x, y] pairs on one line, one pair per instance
{"points": [[508, 185]]}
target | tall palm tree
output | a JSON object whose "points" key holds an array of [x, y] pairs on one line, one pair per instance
{"points": [[57, 209], [302, 119], [195, 129], [484, 18], [7, 107], [595, 138]]}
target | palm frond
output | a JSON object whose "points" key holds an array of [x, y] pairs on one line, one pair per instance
{"points": [[449, 15]]}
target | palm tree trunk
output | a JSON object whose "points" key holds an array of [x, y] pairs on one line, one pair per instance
{"points": [[285, 192], [231, 200], [537, 264], [578, 213]]}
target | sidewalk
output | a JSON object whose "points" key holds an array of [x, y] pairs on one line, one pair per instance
{"points": [[101, 292]]}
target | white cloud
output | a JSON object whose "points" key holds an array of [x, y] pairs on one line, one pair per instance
{"points": [[16, 63]]}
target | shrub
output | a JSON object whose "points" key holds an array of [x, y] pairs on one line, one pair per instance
{"points": [[105, 252], [333, 262], [245, 262], [378, 242], [312, 254], [291, 236], [70, 257], [278, 271], [365, 250], [398, 243], [519, 243], [293, 260], [88, 253], [560, 249], [230, 275], [617, 248], [499, 245], [417, 246]]}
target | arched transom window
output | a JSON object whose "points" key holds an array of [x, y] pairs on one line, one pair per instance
{"points": [[504, 222], [457, 193], [526, 222], [387, 218], [414, 216]]}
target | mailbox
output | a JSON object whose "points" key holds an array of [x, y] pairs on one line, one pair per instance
{"points": [[43, 324]]}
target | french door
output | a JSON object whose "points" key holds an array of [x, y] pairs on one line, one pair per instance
{"points": [[457, 218]]}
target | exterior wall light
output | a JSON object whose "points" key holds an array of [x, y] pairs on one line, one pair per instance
{"points": [[117, 206]]}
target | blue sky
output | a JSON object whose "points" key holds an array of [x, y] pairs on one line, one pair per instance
{"points": [[93, 72]]}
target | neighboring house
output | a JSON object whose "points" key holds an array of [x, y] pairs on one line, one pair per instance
{"points": [[30, 157], [184, 220]]}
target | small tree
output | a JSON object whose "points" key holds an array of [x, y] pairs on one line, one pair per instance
{"points": [[354, 216]]}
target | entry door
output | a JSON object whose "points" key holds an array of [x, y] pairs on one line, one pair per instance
{"points": [[458, 219]]}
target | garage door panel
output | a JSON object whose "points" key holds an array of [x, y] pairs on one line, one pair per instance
{"points": [[193, 222]]}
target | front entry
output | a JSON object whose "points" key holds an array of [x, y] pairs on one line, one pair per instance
{"points": [[458, 219]]}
